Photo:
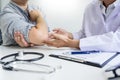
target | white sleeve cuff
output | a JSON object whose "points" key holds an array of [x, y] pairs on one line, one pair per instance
{"points": [[84, 44]]}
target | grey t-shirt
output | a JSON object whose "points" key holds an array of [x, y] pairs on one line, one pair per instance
{"points": [[13, 19]]}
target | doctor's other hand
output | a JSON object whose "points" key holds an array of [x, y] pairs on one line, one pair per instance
{"points": [[57, 40], [63, 32], [19, 38]]}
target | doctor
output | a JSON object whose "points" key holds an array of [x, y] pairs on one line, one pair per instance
{"points": [[100, 29]]}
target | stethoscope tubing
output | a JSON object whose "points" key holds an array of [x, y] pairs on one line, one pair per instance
{"points": [[25, 53]]}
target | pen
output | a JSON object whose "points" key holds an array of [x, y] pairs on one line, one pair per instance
{"points": [[84, 52]]}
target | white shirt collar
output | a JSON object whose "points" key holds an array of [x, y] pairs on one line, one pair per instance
{"points": [[107, 11]]}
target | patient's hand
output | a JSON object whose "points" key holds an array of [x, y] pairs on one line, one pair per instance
{"points": [[19, 38]]}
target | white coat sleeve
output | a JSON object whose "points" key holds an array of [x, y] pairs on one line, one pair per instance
{"points": [[105, 42]]}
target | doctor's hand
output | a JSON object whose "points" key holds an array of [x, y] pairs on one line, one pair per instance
{"points": [[58, 40], [63, 32], [19, 38]]}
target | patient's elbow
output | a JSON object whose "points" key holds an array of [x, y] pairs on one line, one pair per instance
{"points": [[38, 37]]}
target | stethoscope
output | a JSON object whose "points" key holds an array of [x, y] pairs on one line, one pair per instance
{"points": [[19, 60]]}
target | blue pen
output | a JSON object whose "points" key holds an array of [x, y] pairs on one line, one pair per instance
{"points": [[84, 52]]}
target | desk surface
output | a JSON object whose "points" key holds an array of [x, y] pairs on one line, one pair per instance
{"points": [[69, 70]]}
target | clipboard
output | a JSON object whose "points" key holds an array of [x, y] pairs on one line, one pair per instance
{"points": [[95, 60]]}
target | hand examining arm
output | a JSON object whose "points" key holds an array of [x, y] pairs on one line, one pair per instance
{"points": [[19, 38]]}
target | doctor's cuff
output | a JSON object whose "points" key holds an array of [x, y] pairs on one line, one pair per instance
{"points": [[85, 45]]}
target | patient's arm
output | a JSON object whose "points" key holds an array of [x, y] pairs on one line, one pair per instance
{"points": [[37, 34]]}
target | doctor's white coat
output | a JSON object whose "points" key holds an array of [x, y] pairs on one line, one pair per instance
{"points": [[98, 33]]}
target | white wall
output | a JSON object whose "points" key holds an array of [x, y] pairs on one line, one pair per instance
{"points": [[66, 14]]}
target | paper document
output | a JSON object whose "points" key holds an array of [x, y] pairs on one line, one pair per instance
{"points": [[95, 59]]}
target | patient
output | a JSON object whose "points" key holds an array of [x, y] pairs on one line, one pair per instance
{"points": [[20, 17]]}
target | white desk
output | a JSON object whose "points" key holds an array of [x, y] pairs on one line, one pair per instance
{"points": [[69, 70]]}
